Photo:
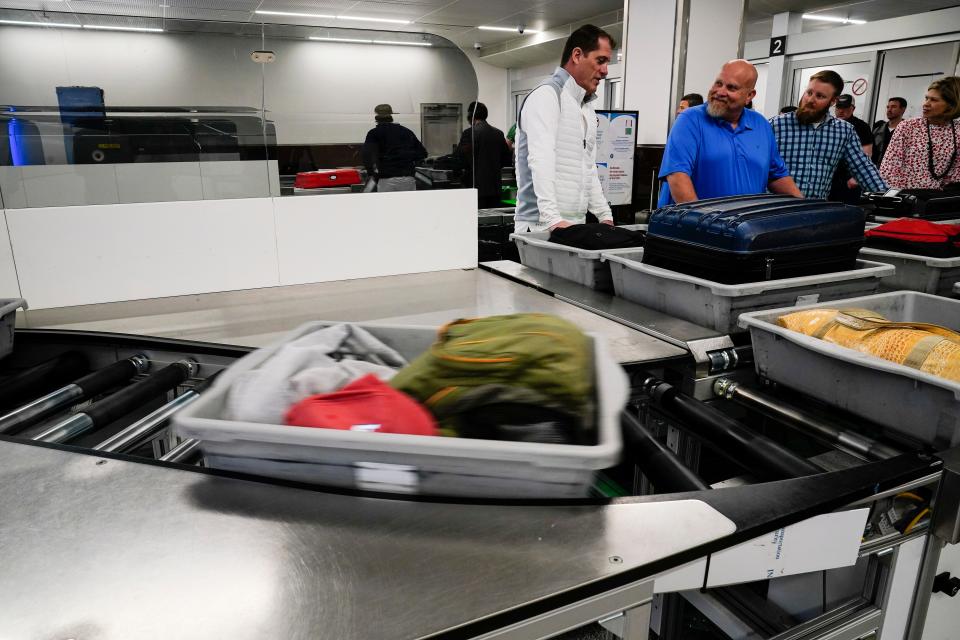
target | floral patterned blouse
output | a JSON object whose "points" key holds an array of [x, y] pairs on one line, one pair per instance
{"points": [[906, 163]]}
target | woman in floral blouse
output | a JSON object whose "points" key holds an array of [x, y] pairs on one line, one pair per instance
{"points": [[923, 152]]}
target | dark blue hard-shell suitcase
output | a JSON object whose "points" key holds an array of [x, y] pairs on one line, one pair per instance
{"points": [[754, 238]]}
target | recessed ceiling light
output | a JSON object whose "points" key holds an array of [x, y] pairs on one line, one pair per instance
{"points": [[26, 23], [813, 16], [362, 19], [513, 29], [412, 44], [326, 16], [298, 15], [341, 40], [140, 29]]}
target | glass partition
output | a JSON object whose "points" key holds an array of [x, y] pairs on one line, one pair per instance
{"points": [[103, 109]]}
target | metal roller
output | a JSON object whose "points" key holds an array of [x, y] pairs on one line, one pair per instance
{"points": [[186, 452], [119, 404], [751, 450], [41, 378], [88, 386], [150, 425], [803, 421], [655, 460]]}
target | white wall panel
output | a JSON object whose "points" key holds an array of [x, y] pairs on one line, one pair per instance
{"points": [[9, 287], [80, 255], [713, 37], [341, 237], [648, 66]]}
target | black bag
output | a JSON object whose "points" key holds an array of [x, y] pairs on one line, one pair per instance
{"points": [[741, 239], [929, 204], [597, 236]]}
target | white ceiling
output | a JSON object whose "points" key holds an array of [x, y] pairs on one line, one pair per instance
{"points": [[760, 12], [456, 20]]}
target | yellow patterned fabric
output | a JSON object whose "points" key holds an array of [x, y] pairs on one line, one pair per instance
{"points": [[926, 347]]}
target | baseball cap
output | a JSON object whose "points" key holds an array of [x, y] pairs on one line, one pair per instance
{"points": [[366, 404], [845, 100], [383, 110]]}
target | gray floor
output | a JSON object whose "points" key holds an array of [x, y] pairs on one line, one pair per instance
{"points": [[259, 316]]}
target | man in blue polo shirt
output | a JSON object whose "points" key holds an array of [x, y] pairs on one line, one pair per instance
{"points": [[721, 148]]}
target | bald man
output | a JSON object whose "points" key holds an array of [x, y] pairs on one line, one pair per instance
{"points": [[721, 148]]}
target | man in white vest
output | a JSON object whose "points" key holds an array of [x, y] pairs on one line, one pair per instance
{"points": [[557, 180]]}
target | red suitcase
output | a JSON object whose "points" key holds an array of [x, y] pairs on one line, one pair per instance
{"points": [[327, 178]]}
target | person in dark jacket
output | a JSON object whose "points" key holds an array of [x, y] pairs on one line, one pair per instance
{"points": [[391, 151], [484, 151]]}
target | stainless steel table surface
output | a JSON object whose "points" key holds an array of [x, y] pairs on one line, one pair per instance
{"points": [[103, 549], [260, 316]]}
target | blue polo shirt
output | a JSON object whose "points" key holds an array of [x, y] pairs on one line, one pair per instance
{"points": [[721, 161]]}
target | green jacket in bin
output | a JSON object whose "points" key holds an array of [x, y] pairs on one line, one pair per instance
{"points": [[518, 361]]}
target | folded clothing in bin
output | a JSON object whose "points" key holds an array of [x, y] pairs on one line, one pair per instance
{"points": [[319, 362], [927, 347], [919, 237], [518, 377], [597, 236], [367, 404]]}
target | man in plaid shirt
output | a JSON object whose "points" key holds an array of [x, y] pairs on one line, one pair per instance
{"points": [[813, 142]]}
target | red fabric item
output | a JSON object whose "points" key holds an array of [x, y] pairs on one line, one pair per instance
{"points": [[326, 178], [366, 404], [915, 230]]}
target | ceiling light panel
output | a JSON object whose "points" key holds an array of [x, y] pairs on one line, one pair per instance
{"points": [[39, 23], [837, 19]]}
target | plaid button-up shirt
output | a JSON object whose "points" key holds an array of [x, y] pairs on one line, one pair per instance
{"points": [[813, 153]]}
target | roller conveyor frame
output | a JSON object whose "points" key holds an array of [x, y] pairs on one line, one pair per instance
{"points": [[508, 569]]}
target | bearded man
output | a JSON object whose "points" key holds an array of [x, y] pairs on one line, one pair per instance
{"points": [[813, 142], [721, 148]]}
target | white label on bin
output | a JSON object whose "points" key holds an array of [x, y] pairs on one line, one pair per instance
{"points": [[379, 476], [807, 299]]}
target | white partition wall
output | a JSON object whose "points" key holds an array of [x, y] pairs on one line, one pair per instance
{"points": [[341, 237], [66, 256], [82, 255]]}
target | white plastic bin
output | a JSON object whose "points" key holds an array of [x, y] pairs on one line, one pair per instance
{"points": [[582, 266], [715, 305], [906, 400], [399, 462], [917, 273], [8, 321]]}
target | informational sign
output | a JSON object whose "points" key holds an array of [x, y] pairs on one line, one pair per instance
{"points": [[616, 143], [778, 46], [859, 87]]}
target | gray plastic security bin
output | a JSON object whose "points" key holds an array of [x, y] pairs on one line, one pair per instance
{"points": [[917, 273], [8, 321], [400, 462], [908, 401], [582, 266], [715, 305]]}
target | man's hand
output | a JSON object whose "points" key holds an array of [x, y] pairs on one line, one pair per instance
{"points": [[563, 224], [852, 183], [609, 222]]}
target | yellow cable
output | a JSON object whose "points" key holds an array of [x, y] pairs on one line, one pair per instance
{"points": [[916, 519], [909, 494]]}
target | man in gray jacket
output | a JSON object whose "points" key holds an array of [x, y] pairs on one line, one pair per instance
{"points": [[557, 180]]}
